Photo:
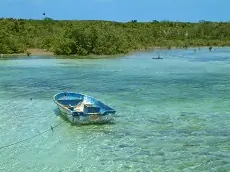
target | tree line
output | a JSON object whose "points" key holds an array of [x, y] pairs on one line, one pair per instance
{"points": [[107, 37]]}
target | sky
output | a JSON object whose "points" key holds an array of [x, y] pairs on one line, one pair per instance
{"points": [[118, 10]]}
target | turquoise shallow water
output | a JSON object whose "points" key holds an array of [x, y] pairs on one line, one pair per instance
{"points": [[172, 114]]}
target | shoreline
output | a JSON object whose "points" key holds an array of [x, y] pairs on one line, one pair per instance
{"points": [[43, 52]]}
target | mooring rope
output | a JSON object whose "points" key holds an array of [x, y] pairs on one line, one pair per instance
{"points": [[20, 141]]}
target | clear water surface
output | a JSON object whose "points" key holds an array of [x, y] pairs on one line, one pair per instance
{"points": [[172, 114]]}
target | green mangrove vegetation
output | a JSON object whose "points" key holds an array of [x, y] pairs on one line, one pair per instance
{"points": [[107, 37]]}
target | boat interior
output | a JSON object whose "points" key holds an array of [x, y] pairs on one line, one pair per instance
{"points": [[85, 107], [84, 104]]}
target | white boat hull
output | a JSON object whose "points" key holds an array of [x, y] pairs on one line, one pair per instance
{"points": [[91, 119]]}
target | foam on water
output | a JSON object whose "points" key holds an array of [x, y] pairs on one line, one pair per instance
{"points": [[172, 114]]}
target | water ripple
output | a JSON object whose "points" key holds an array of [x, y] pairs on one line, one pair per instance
{"points": [[172, 115]]}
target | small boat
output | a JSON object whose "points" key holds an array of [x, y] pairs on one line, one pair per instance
{"points": [[158, 58], [82, 109]]}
